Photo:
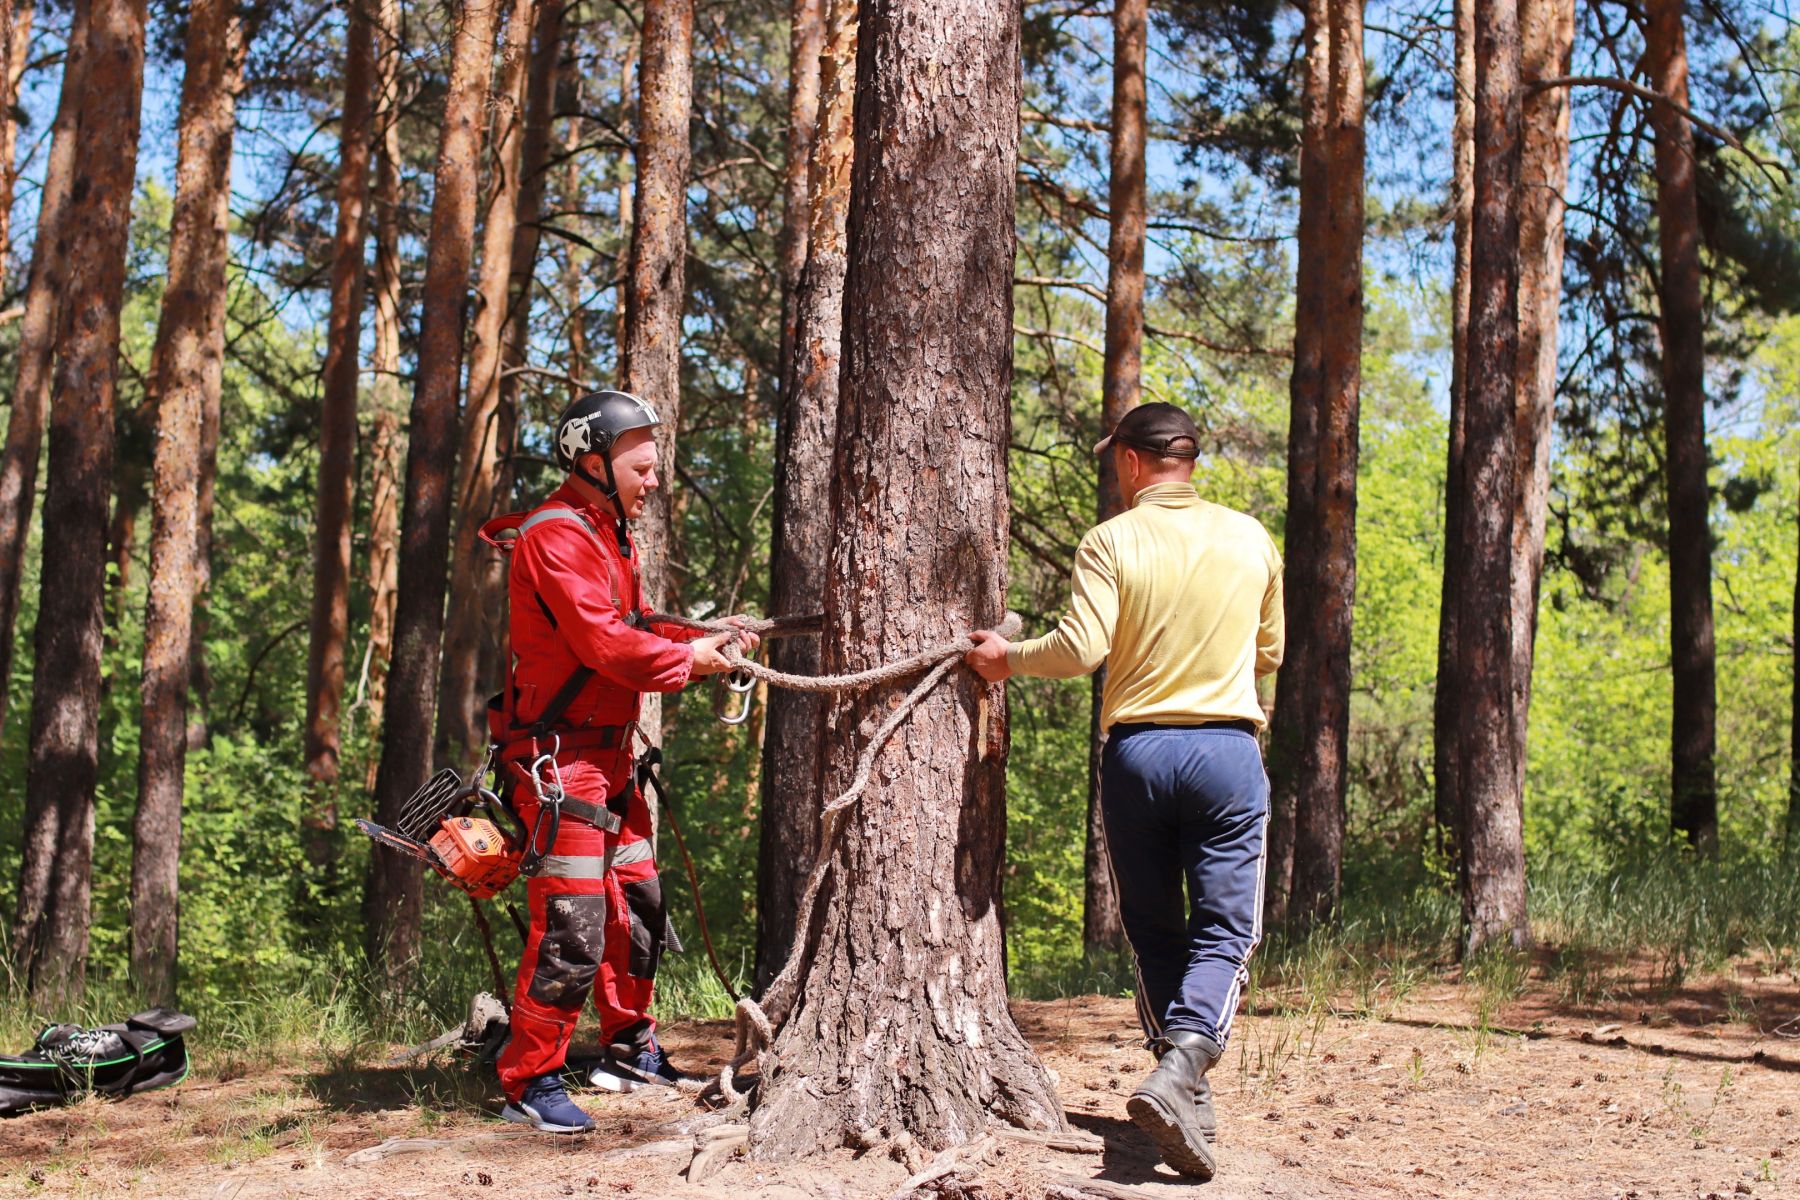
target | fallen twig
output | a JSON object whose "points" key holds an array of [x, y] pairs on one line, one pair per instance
{"points": [[1070, 1141], [949, 1162]]}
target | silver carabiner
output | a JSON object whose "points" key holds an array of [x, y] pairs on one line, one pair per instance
{"points": [[738, 682]]}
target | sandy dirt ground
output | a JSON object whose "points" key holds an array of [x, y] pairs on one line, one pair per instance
{"points": [[1692, 1094]]}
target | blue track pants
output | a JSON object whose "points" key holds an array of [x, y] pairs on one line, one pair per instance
{"points": [[1187, 805]]}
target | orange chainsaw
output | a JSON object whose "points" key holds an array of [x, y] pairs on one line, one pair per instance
{"points": [[438, 826]]}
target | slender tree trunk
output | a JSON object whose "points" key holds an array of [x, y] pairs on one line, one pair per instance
{"points": [[1493, 848], [1289, 733], [1320, 790], [1694, 802], [31, 386], [1120, 391], [901, 1022], [51, 944], [802, 514], [462, 725], [806, 40], [1448, 808], [387, 443], [1305, 755], [1547, 35], [655, 277], [186, 368], [391, 905], [330, 630], [571, 278], [15, 38]]}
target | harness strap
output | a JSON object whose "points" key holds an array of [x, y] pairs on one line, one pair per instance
{"points": [[594, 737]]}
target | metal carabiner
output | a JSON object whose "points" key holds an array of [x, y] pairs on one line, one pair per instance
{"points": [[739, 682]]}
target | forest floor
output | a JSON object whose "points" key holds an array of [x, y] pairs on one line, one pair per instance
{"points": [[1691, 1091]]}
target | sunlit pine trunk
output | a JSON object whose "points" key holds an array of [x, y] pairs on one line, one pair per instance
{"points": [[187, 369], [1493, 864], [655, 290], [62, 760], [31, 395], [462, 724], [392, 901], [330, 620], [1546, 35], [789, 829]]}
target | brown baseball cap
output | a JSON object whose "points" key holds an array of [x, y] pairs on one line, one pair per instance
{"points": [[1156, 428]]}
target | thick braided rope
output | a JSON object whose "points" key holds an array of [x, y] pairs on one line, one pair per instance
{"points": [[756, 1029]]}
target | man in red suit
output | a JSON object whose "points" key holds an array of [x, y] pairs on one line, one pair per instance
{"points": [[584, 651]]}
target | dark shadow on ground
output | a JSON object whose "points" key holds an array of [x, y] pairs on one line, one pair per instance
{"points": [[1130, 1156]]}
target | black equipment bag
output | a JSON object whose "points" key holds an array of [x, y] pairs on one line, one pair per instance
{"points": [[146, 1051]]}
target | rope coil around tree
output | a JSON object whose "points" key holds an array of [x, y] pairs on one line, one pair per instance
{"points": [[756, 1028]]}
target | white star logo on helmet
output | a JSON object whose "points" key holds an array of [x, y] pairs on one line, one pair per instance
{"points": [[574, 439]]}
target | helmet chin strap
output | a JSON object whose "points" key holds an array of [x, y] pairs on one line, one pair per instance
{"points": [[610, 489]]}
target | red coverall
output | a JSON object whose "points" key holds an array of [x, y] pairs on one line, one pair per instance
{"points": [[572, 595]]}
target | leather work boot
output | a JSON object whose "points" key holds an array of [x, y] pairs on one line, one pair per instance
{"points": [[1168, 1104], [1203, 1112]]}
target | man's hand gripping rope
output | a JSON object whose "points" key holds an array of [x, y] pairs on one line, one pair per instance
{"points": [[757, 1023]]}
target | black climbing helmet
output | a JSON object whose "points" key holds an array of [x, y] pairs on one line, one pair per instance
{"points": [[593, 423]]}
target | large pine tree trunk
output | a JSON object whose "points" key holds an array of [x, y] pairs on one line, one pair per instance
{"points": [[1289, 732], [1547, 36], [391, 904], [1694, 802], [186, 370], [806, 40], [330, 629], [1312, 710], [1493, 868], [462, 723], [1121, 388], [1448, 807], [31, 384], [901, 1021], [789, 828], [65, 695], [655, 275]]}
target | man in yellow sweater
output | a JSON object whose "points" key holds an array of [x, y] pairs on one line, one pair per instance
{"points": [[1181, 599]]}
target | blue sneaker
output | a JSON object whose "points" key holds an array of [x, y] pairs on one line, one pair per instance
{"points": [[627, 1068], [546, 1106]]}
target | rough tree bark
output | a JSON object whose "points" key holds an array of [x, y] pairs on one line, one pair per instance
{"points": [[1312, 711], [387, 443], [1547, 36], [1694, 802], [801, 535], [330, 629], [650, 354], [1319, 816], [391, 903], [1448, 807], [901, 1021], [31, 383], [1288, 732], [51, 942], [1121, 389], [462, 723], [1493, 867], [186, 372], [806, 40], [15, 41]]}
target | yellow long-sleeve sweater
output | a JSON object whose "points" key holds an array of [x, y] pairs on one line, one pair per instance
{"points": [[1181, 598]]}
